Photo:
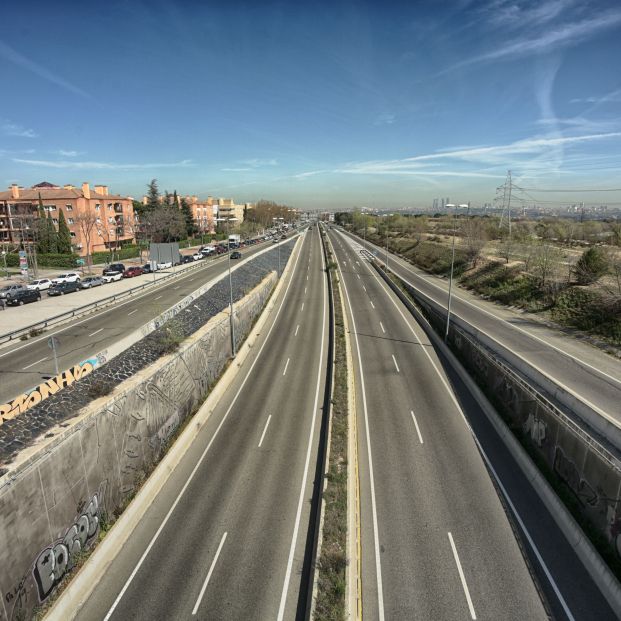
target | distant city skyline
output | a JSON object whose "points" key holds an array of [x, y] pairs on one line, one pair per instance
{"points": [[346, 104]]}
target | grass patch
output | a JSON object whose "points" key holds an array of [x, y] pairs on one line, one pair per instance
{"points": [[332, 562]]}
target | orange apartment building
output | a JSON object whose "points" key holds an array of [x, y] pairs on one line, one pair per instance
{"points": [[111, 216]]}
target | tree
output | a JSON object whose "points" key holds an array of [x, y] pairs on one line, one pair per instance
{"points": [[52, 236], [43, 242], [186, 211], [153, 196], [474, 236], [591, 266], [64, 235], [87, 221], [164, 225]]}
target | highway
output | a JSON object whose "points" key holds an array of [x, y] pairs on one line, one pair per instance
{"points": [[592, 376], [24, 365], [226, 538], [436, 539]]}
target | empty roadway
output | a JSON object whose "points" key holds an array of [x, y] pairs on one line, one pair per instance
{"points": [[590, 374], [422, 477], [228, 531]]}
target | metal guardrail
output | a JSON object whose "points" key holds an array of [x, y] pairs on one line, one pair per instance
{"points": [[87, 308]]}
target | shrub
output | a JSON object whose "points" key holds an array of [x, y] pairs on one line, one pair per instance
{"points": [[591, 266]]}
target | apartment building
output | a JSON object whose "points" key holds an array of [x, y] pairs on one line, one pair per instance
{"points": [[203, 213], [97, 220]]}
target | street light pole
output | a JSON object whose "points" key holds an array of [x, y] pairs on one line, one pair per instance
{"points": [[227, 220], [450, 291], [278, 248]]}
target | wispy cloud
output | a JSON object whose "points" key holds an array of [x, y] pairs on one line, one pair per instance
{"points": [[260, 162], [612, 97], [509, 13], [385, 119], [538, 154], [15, 57], [101, 165], [64, 153], [13, 129], [235, 169], [550, 39]]}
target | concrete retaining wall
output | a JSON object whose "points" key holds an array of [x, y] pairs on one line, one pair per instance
{"points": [[588, 467], [52, 505]]}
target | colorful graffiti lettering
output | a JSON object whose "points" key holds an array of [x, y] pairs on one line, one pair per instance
{"points": [[27, 400], [55, 560]]}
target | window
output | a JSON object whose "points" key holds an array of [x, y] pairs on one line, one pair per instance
{"points": [[111, 220], [55, 220], [97, 206], [49, 207], [72, 234], [68, 207], [109, 206], [70, 220]]}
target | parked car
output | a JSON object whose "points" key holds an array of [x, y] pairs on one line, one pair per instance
{"points": [[164, 265], [187, 258], [114, 276], [91, 281], [41, 284], [130, 272], [63, 287], [67, 277], [207, 250], [283, 236], [23, 296], [7, 292], [114, 268], [236, 254], [147, 268], [197, 256]]}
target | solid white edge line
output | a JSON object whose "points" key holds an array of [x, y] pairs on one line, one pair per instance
{"points": [[285, 588], [395, 361], [378, 561], [213, 564], [483, 454], [420, 437], [286, 365], [462, 577], [269, 418], [32, 365], [204, 453]]}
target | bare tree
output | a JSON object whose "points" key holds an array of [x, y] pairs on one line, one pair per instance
{"points": [[164, 224], [87, 223], [474, 236]]}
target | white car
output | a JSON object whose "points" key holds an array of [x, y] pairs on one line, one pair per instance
{"points": [[164, 266], [197, 256], [67, 277], [112, 277], [41, 284]]}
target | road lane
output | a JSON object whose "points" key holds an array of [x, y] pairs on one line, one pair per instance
{"points": [[425, 490], [569, 589], [258, 496], [585, 371], [24, 365]]}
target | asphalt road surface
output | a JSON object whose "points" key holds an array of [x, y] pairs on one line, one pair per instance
{"points": [[592, 376], [436, 539], [24, 365], [234, 543]]}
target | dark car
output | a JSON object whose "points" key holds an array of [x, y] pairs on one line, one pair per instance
{"points": [[187, 258], [114, 268], [236, 255], [147, 269], [63, 287], [130, 272], [23, 296]]}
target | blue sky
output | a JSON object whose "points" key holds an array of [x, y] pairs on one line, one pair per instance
{"points": [[314, 104]]}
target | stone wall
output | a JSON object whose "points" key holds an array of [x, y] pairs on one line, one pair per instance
{"points": [[52, 505]]}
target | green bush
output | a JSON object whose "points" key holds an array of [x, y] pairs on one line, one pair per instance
{"points": [[57, 260]]}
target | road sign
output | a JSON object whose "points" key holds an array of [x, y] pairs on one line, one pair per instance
{"points": [[80, 261]]}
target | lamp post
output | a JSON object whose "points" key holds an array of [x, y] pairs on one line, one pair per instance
{"points": [[228, 237], [450, 291], [278, 247]]}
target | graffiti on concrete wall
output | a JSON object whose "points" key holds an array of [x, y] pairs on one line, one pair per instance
{"points": [[26, 400], [536, 428], [569, 472], [54, 561]]}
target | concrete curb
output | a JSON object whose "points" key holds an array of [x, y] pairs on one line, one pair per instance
{"points": [[84, 582], [586, 552]]}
